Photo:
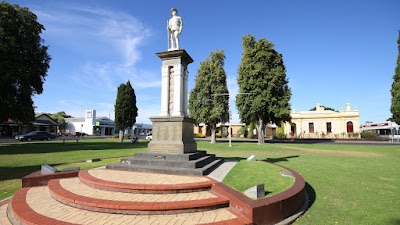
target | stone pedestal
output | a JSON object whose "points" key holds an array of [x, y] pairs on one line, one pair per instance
{"points": [[172, 134], [173, 149]]}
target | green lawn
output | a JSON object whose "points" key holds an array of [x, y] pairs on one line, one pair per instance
{"points": [[20, 159], [347, 184], [247, 174]]}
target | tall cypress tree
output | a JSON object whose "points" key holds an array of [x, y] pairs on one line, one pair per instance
{"points": [[125, 109], [208, 100], [395, 108], [262, 75]]}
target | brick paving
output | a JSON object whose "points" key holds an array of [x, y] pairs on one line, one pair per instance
{"points": [[131, 177], [70, 201], [39, 199], [3, 215], [75, 186]]}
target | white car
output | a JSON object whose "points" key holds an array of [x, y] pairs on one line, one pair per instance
{"points": [[149, 137]]}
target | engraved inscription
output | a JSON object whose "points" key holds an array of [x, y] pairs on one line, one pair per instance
{"points": [[160, 157]]}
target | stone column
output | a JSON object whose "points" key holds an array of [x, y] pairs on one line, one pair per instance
{"points": [[178, 91], [173, 130], [164, 91]]}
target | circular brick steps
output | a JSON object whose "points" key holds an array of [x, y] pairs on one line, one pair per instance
{"points": [[74, 193], [124, 198], [129, 181]]}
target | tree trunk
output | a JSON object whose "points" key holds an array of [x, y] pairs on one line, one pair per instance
{"points": [[213, 134], [121, 136], [260, 132]]}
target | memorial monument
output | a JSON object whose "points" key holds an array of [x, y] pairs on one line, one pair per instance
{"points": [[173, 149]]}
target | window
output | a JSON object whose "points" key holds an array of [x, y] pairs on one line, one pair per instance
{"points": [[328, 127], [350, 127], [311, 128]]}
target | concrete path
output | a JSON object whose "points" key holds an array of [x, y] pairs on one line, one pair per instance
{"points": [[220, 173]]}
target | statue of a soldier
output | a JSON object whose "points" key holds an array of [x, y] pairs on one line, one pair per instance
{"points": [[174, 27]]}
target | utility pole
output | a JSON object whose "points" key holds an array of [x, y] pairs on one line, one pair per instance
{"points": [[229, 111]]}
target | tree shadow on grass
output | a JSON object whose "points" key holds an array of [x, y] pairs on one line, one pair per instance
{"points": [[52, 147], [311, 195], [395, 221], [9, 173], [280, 159]]}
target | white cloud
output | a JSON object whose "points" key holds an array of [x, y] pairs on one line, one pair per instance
{"points": [[101, 49]]}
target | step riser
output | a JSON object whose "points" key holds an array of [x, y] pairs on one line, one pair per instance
{"points": [[163, 170], [141, 212], [173, 164], [170, 157], [174, 191]]}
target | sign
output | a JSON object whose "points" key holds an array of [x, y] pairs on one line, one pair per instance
{"points": [[88, 114], [97, 123]]}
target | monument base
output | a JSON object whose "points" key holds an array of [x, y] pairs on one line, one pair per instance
{"points": [[172, 150], [198, 163], [172, 134]]}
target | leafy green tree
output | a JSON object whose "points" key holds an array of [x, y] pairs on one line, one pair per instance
{"points": [[209, 99], [395, 108], [326, 108], [251, 131], [23, 62], [125, 109], [262, 75], [60, 118]]}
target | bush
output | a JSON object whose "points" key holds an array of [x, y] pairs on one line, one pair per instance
{"points": [[279, 135], [280, 132], [199, 135], [369, 135], [115, 136], [218, 135], [242, 131]]}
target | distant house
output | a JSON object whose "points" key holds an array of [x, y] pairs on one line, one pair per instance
{"points": [[92, 125], [43, 122], [221, 128], [323, 123], [384, 129]]}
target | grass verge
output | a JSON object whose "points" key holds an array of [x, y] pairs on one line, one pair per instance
{"points": [[246, 174]]}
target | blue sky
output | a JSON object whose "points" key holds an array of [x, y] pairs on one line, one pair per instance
{"points": [[335, 51]]}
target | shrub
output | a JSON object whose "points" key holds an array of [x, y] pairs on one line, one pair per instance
{"points": [[115, 136], [242, 131], [280, 134], [218, 135], [369, 135], [199, 135]]}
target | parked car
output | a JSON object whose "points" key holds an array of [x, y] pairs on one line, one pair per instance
{"points": [[149, 137], [35, 135], [78, 134]]}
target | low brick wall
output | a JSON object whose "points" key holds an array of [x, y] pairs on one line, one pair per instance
{"points": [[269, 210], [37, 179]]}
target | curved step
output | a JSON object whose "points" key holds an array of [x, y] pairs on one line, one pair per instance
{"points": [[36, 206], [74, 193], [129, 181]]}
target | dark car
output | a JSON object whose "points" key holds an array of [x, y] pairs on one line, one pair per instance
{"points": [[35, 135]]}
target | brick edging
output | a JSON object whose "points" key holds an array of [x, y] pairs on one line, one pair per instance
{"points": [[92, 181], [5, 201], [267, 210], [24, 214], [128, 207]]}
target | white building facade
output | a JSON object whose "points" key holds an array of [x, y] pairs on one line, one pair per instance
{"points": [[323, 123]]}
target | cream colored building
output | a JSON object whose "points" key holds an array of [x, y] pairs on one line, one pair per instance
{"points": [[323, 123], [221, 129]]}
